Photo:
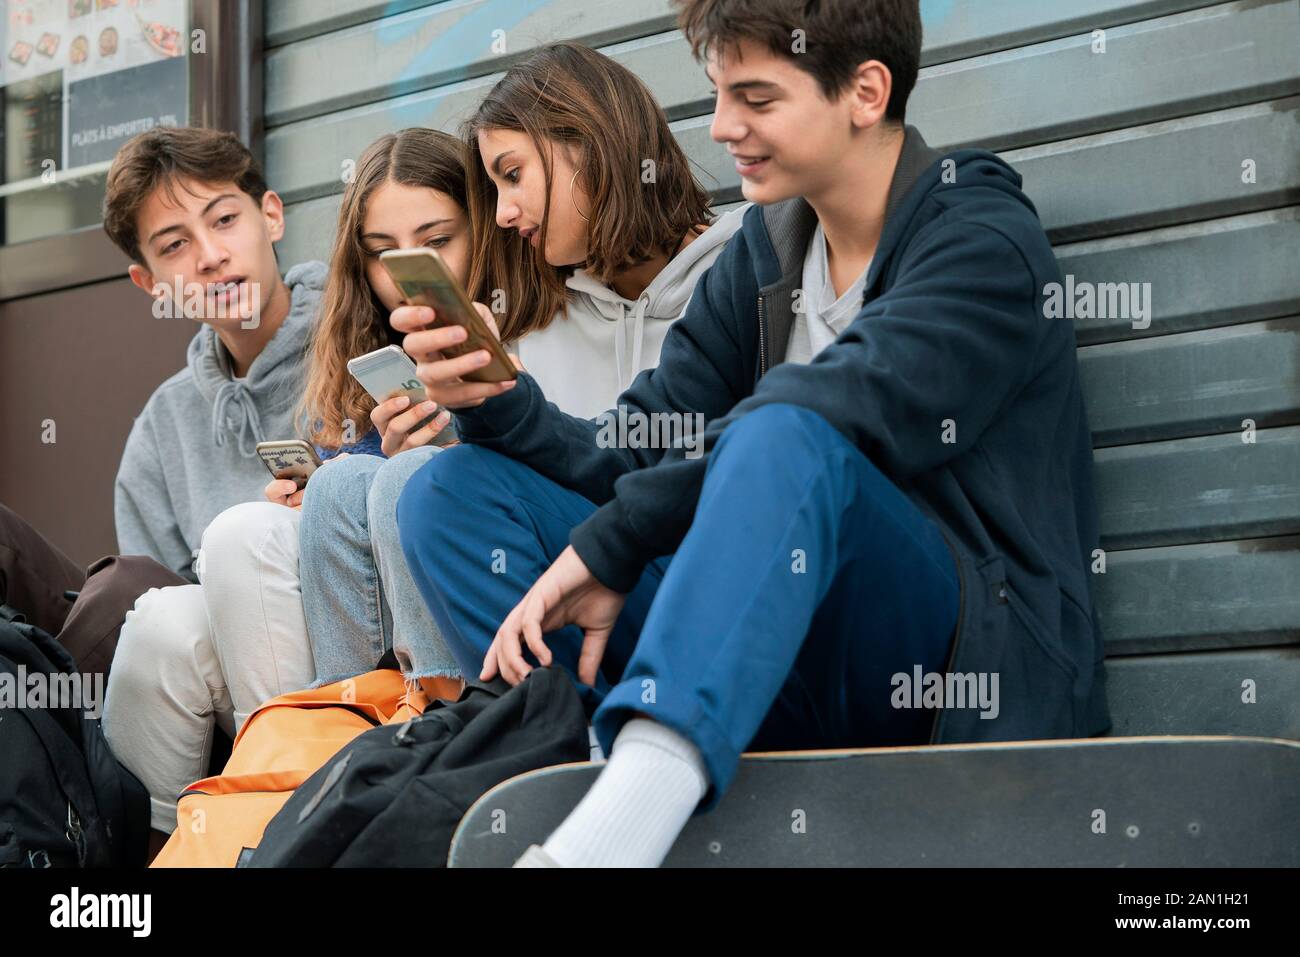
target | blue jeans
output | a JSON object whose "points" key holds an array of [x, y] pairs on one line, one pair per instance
{"points": [[807, 580], [357, 595]]}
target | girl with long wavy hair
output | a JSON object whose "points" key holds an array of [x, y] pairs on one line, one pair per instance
{"points": [[589, 233]]}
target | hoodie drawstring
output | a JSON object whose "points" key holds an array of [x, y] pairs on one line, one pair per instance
{"points": [[235, 397], [635, 332], [618, 345]]}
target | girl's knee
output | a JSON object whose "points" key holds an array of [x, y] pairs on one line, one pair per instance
{"points": [[341, 485], [392, 477]]}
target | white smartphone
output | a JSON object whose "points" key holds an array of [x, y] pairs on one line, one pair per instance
{"points": [[289, 459], [386, 373], [389, 372]]}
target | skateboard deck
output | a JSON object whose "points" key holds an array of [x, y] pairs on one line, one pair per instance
{"points": [[1185, 801]]}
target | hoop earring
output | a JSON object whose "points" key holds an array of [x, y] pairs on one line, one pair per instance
{"points": [[574, 201]]}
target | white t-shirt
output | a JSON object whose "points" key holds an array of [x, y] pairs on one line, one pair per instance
{"points": [[823, 317]]}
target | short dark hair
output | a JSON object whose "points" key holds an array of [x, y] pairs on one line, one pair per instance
{"points": [[160, 156], [837, 36]]}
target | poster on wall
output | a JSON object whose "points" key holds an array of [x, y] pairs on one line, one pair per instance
{"points": [[105, 111], [118, 66]]}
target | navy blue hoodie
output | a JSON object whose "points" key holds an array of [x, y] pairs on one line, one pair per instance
{"points": [[950, 379]]}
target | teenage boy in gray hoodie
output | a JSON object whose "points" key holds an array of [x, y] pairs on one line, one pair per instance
{"points": [[191, 208]]}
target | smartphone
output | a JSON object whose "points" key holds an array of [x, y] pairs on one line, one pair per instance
{"points": [[386, 373], [424, 280], [289, 459], [389, 372]]}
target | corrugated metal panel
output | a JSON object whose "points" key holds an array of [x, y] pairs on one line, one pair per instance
{"points": [[1202, 694], [1193, 383], [959, 29], [1205, 274], [1226, 594], [1172, 171], [953, 30], [291, 20], [1204, 489], [1204, 59], [1134, 159], [439, 44], [998, 101]]}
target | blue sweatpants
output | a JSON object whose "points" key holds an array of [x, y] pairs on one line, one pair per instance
{"points": [[807, 580]]}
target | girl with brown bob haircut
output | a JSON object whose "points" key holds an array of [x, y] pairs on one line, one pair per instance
{"points": [[590, 230]]}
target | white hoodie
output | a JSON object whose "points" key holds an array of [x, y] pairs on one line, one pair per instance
{"points": [[584, 361]]}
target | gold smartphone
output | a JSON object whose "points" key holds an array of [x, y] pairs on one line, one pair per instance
{"points": [[289, 459], [424, 280]]}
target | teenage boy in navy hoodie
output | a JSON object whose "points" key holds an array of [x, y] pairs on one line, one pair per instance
{"points": [[894, 503]]}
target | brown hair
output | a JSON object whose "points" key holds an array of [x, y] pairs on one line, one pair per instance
{"points": [[566, 93], [353, 321], [160, 157], [837, 36]]}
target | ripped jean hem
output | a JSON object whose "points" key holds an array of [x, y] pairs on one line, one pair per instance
{"points": [[443, 672], [452, 672]]}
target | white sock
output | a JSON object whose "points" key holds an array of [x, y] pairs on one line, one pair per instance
{"points": [[639, 804]]}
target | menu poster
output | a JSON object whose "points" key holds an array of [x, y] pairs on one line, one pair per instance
{"points": [[107, 110], [85, 38], [80, 77]]}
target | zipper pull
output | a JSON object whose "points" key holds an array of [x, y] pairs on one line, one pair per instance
{"points": [[74, 833], [403, 733]]}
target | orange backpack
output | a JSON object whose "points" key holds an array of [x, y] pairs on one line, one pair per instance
{"points": [[283, 743]]}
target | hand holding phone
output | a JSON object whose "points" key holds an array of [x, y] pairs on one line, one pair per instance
{"points": [[444, 377], [284, 492], [404, 425], [456, 342], [424, 280], [291, 463], [404, 418]]}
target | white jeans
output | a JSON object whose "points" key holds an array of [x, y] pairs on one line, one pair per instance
{"points": [[195, 656]]}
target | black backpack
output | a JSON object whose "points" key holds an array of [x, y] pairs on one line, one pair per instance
{"points": [[394, 795], [64, 799]]}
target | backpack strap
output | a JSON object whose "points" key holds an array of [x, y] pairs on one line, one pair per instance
{"points": [[70, 767]]}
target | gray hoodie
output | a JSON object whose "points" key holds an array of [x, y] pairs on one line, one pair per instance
{"points": [[192, 451], [584, 361]]}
